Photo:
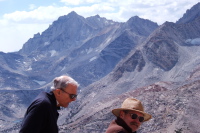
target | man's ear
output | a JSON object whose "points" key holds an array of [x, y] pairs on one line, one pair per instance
{"points": [[57, 92], [121, 114]]}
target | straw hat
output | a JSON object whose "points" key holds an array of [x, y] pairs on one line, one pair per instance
{"points": [[132, 104]]}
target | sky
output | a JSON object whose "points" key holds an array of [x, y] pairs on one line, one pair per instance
{"points": [[21, 19]]}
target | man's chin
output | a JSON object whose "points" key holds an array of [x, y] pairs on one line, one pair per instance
{"points": [[134, 126]]}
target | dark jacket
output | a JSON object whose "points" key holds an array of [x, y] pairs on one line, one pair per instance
{"points": [[119, 126], [42, 115]]}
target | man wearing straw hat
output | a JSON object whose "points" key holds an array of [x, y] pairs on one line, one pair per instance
{"points": [[129, 117]]}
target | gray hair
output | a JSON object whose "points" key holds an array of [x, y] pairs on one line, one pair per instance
{"points": [[62, 82]]}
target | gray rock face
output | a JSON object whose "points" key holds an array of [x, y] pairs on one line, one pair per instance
{"points": [[12, 76], [135, 62], [13, 106], [162, 48], [124, 39]]}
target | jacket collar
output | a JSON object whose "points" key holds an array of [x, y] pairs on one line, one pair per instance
{"points": [[54, 99]]}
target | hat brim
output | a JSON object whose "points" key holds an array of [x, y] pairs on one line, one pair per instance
{"points": [[146, 115]]}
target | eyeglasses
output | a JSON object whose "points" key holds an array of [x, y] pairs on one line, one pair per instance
{"points": [[72, 96], [135, 116]]}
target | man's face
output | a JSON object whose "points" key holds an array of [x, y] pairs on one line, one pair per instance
{"points": [[66, 95], [134, 124]]}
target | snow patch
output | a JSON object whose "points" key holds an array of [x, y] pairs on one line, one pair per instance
{"points": [[17, 60], [195, 41], [40, 82], [34, 58], [29, 69], [53, 53], [13, 106], [46, 43], [89, 50], [93, 58], [63, 68]]}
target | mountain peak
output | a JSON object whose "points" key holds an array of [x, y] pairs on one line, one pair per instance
{"points": [[97, 16], [142, 26], [70, 15], [73, 13], [190, 14], [134, 18], [138, 20]]}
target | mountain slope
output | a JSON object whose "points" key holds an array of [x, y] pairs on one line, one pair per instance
{"points": [[190, 14]]}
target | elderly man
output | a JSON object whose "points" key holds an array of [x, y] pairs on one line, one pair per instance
{"points": [[41, 116], [129, 117]]}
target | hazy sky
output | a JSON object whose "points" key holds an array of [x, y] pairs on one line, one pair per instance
{"points": [[21, 19]]}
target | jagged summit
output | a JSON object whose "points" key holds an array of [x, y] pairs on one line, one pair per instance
{"points": [[190, 15], [73, 13], [71, 16], [66, 32], [141, 26], [135, 19], [97, 16], [138, 20]]}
